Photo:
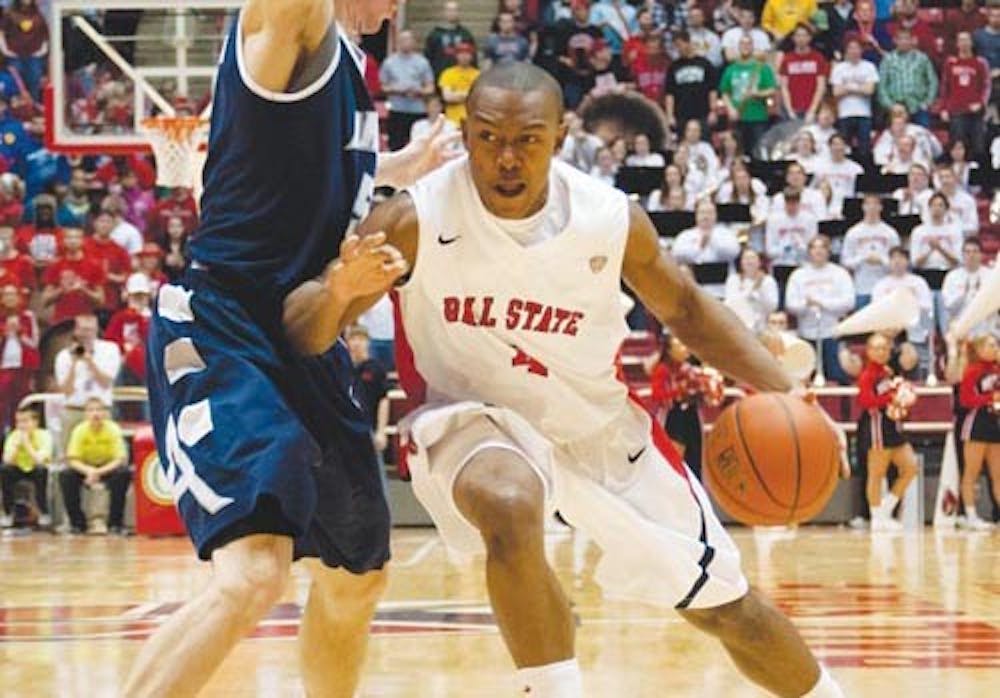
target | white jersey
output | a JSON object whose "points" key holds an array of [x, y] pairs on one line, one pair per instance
{"points": [[534, 329]]}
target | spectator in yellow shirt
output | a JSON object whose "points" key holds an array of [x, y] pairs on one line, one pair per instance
{"points": [[27, 452], [96, 456], [456, 83], [780, 17]]}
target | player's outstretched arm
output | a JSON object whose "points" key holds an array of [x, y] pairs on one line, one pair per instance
{"points": [[277, 32], [709, 328], [369, 264]]}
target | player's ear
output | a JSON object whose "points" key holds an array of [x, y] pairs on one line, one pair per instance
{"points": [[561, 134]]}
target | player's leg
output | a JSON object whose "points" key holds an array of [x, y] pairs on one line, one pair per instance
{"points": [[754, 632], [333, 638], [975, 456], [249, 575], [503, 497]]}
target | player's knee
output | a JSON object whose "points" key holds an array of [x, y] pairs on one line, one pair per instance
{"points": [[346, 590], [250, 586], [735, 621]]}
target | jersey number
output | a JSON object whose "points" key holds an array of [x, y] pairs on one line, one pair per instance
{"points": [[534, 365]]}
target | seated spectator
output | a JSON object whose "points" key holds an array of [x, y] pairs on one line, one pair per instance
{"points": [[745, 88], [730, 151], [19, 357], [804, 151], [42, 240], [15, 144], [138, 201], [725, 16], [958, 158], [180, 204], [95, 456], [706, 43], [700, 153], [854, 81], [75, 204], [913, 197], [649, 71], [407, 79], [741, 188], [673, 180], [754, 287], [870, 31], [149, 261], [609, 75], [907, 77], [823, 128], [14, 264], [27, 453], [899, 276], [789, 230], [810, 199], [579, 148], [44, 171], [691, 86], [924, 36], [24, 40], [866, 248], [73, 283], [803, 73], [642, 154], [175, 256], [699, 180], [619, 151], [456, 83], [11, 197], [962, 283], [129, 327], [904, 156], [841, 173], [445, 37], [961, 205], [833, 201], [937, 243], [605, 168], [781, 17], [746, 26], [122, 232], [434, 106], [111, 257], [707, 242], [819, 293], [676, 199], [371, 385], [505, 45], [85, 369], [928, 146]]}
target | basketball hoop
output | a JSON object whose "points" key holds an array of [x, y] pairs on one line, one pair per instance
{"points": [[178, 145]]}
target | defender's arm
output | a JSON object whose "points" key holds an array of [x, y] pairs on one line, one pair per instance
{"points": [[277, 32]]}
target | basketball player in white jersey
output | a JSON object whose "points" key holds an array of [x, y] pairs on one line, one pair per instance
{"points": [[512, 313]]}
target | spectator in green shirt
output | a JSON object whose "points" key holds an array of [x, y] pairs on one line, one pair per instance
{"points": [[96, 456], [746, 86], [907, 77], [27, 452]]}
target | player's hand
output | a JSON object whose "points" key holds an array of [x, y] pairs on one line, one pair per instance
{"points": [[428, 152], [365, 267], [805, 393]]}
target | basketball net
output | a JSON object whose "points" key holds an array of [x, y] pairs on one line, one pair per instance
{"points": [[178, 144]]}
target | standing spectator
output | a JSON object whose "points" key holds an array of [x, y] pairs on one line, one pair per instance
{"points": [[44, 171], [27, 453], [610, 76], [180, 204], [149, 261], [73, 283], [907, 77], [617, 19], [854, 81], [811, 200], [643, 155], [175, 252], [434, 107], [789, 231], [958, 159], [456, 83], [819, 293], [74, 208], [605, 168], [840, 16], [691, 87], [870, 31], [445, 38], [406, 79], [706, 42], [804, 72], [937, 243], [129, 327], [780, 17], [967, 17], [837, 169], [42, 240], [15, 264], [85, 369], [913, 197], [96, 455], [138, 201], [707, 242], [961, 284], [961, 205], [636, 44], [579, 148], [575, 38], [866, 248], [899, 276], [923, 34], [19, 357], [965, 95], [371, 387], [506, 45], [122, 232], [928, 146], [987, 42], [15, 144], [754, 287], [111, 257], [745, 87], [747, 27], [25, 42], [649, 71]]}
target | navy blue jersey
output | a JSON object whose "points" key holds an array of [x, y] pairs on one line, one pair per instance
{"points": [[288, 174]]}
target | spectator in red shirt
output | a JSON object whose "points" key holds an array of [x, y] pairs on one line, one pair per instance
{"points": [[73, 284], [967, 17], [150, 262], [114, 261], [114, 169], [11, 200], [19, 357], [25, 42], [804, 73], [179, 204], [650, 70], [923, 33], [636, 44], [15, 264], [129, 327], [41, 240], [965, 92]]}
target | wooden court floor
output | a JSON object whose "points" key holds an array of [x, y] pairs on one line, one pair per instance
{"points": [[896, 616]]}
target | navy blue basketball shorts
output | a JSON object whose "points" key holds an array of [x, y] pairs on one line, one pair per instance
{"points": [[255, 439]]}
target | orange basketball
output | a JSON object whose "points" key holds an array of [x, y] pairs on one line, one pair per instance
{"points": [[772, 459]]}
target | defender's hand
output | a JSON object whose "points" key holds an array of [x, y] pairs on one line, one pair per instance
{"points": [[421, 156], [365, 267]]}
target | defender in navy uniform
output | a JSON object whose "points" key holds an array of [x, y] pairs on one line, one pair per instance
{"points": [[268, 454]]}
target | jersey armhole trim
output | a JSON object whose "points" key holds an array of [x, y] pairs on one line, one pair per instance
{"points": [[284, 97]]}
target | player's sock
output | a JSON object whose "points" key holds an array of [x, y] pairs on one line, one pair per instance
{"points": [[826, 687], [889, 503], [557, 680]]}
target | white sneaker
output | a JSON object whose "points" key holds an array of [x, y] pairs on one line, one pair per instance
{"points": [[974, 523], [44, 521], [98, 527], [885, 524], [6, 521]]}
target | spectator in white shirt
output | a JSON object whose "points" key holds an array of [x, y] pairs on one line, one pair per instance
{"points": [[804, 151], [580, 148], [958, 158], [904, 156], [962, 283], [961, 206], [700, 153], [854, 81], [741, 188], [823, 128], [936, 244], [124, 233], [731, 38], [928, 146], [754, 287], [699, 181], [899, 276], [833, 209], [914, 196], [866, 248], [705, 42], [819, 293], [811, 200], [673, 180], [605, 168], [643, 155], [789, 230], [707, 242], [435, 108], [837, 169]]}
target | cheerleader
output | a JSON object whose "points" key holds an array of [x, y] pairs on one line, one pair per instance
{"points": [[979, 397], [678, 389], [885, 401]]}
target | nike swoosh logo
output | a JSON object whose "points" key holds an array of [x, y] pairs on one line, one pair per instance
{"points": [[637, 456], [443, 241]]}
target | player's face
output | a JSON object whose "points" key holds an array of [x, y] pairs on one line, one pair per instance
{"points": [[511, 137]]}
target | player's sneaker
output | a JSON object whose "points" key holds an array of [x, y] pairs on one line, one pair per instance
{"points": [[44, 521], [885, 524], [6, 521], [974, 523]]}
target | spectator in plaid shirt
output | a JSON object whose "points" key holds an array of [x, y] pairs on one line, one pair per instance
{"points": [[907, 77]]}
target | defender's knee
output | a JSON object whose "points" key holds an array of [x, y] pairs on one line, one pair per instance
{"points": [[250, 584], [346, 592], [735, 620]]}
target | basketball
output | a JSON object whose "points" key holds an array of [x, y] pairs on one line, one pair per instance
{"points": [[771, 459]]}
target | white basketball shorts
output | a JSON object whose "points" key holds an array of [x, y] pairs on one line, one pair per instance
{"points": [[625, 487]]}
